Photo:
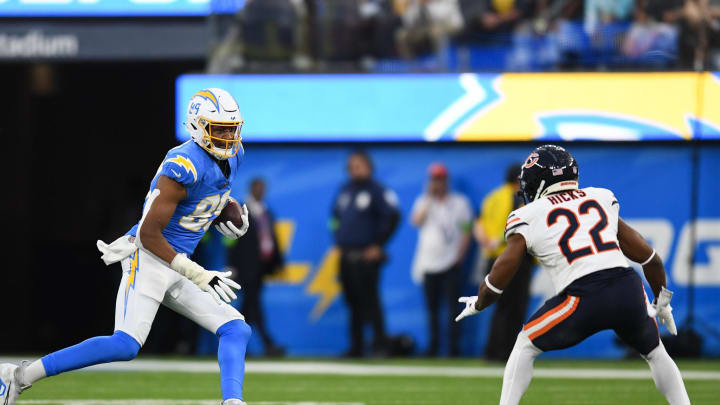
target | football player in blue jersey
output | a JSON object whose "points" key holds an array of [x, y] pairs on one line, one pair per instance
{"points": [[189, 190]]}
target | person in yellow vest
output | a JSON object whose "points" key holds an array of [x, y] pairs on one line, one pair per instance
{"points": [[489, 231]]}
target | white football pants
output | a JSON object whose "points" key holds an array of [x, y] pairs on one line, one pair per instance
{"points": [[147, 283]]}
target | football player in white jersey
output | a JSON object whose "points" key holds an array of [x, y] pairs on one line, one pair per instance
{"points": [[580, 240]]}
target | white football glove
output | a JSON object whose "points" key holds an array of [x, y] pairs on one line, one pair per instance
{"points": [[216, 283], [228, 229], [469, 309], [662, 309]]}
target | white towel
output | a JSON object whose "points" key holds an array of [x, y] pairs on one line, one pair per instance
{"points": [[117, 250]]}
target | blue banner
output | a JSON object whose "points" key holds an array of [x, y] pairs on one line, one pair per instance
{"points": [[304, 307], [113, 8], [467, 107]]}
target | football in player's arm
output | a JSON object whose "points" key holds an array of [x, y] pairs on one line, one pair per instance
{"points": [[218, 284]]}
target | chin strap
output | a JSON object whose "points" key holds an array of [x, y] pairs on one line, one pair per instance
{"points": [[561, 186]]}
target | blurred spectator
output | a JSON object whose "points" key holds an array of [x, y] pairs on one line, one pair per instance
{"points": [[699, 28], [271, 32], [378, 24], [253, 257], [269, 29], [444, 219], [442, 35], [534, 43], [364, 216], [489, 230], [426, 25], [602, 12], [650, 40], [337, 31], [495, 17], [606, 22]]}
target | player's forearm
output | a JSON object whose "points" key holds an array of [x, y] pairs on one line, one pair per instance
{"points": [[159, 246], [504, 269], [154, 242], [486, 297], [502, 272], [635, 248], [655, 274], [161, 208]]}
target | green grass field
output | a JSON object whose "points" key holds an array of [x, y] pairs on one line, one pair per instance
{"points": [[282, 388]]}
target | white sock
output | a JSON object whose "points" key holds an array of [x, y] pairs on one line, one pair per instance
{"points": [[35, 371], [518, 371], [667, 376]]}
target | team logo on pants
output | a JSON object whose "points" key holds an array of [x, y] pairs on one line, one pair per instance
{"points": [[134, 265], [3, 388]]}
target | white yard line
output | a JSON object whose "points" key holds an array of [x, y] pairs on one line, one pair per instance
{"points": [[331, 368], [167, 402]]}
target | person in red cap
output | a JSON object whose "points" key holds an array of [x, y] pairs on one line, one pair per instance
{"points": [[444, 220], [438, 171]]}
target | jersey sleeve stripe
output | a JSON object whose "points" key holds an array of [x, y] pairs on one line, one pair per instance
{"points": [[614, 202], [553, 317], [515, 226], [511, 221]]}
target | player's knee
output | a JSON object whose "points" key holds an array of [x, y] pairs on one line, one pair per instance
{"points": [[125, 347], [659, 350], [237, 329], [523, 343]]}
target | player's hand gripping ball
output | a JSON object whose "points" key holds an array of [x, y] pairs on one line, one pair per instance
{"points": [[233, 221]]}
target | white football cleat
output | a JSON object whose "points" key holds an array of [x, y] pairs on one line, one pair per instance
{"points": [[8, 393], [233, 402], [10, 382]]}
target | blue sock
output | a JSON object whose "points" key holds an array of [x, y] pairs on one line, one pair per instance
{"points": [[234, 337], [102, 349]]}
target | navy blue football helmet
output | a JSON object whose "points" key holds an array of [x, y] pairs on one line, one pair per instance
{"points": [[548, 169]]}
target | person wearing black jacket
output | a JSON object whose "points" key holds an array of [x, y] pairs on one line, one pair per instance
{"points": [[364, 216], [256, 255]]}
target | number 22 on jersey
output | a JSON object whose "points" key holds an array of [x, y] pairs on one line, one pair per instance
{"points": [[574, 224]]}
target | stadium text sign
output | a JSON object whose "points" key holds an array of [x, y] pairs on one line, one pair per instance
{"points": [[101, 8]]}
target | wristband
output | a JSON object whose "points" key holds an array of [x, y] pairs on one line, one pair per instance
{"points": [[492, 287], [649, 258], [187, 268]]}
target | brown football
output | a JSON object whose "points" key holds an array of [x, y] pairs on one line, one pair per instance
{"points": [[231, 212]]}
